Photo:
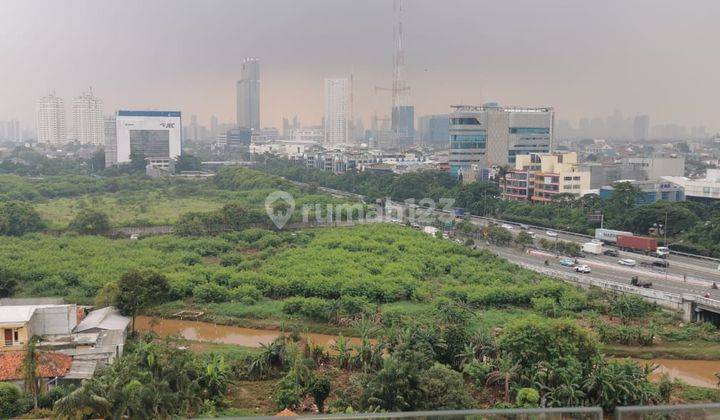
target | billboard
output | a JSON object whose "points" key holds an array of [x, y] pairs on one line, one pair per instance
{"points": [[156, 134]]}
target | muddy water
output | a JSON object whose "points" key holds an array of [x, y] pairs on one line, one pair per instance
{"points": [[692, 372], [226, 334]]}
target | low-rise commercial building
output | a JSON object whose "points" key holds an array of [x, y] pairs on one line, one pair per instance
{"points": [[652, 191], [705, 189], [541, 177]]}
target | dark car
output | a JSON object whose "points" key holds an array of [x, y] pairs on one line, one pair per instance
{"points": [[611, 253]]}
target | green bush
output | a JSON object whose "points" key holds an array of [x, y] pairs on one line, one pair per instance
{"points": [[211, 293], [312, 307], [477, 372], [12, 401], [245, 293], [527, 398]]}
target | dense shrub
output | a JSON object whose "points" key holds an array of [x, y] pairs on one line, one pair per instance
{"points": [[211, 293], [12, 400], [313, 308]]}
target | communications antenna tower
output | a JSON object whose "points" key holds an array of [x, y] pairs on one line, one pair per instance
{"points": [[400, 89]]}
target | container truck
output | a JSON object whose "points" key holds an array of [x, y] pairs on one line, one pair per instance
{"points": [[637, 243], [609, 236], [592, 248]]}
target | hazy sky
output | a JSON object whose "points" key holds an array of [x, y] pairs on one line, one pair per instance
{"points": [[585, 58]]}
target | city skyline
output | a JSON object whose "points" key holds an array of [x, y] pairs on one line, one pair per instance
{"points": [[527, 60]]}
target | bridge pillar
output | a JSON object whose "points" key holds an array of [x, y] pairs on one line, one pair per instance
{"points": [[688, 310]]}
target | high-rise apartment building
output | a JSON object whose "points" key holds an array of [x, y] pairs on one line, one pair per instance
{"points": [[402, 122], [490, 135], [337, 111], [51, 120], [641, 127], [88, 122], [248, 94], [433, 130], [10, 131], [110, 128]]}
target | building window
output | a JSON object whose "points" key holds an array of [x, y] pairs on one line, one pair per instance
{"points": [[464, 121]]}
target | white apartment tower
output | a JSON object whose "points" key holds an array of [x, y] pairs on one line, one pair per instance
{"points": [[88, 122], [51, 120], [337, 110]]}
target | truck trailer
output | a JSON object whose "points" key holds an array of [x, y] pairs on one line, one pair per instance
{"points": [[592, 248], [637, 243], [609, 236]]}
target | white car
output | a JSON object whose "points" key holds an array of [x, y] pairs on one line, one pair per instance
{"points": [[582, 269], [628, 262], [506, 226], [551, 233]]}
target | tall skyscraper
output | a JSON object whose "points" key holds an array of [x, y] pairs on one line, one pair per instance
{"points": [[88, 123], [51, 120], [110, 126], [213, 127], [337, 111], [641, 127], [10, 130], [248, 94]]}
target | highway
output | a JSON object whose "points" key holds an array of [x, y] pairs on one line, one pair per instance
{"points": [[684, 275]]}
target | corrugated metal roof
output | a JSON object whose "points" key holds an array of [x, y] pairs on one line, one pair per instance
{"points": [[81, 369], [18, 313], [107, 318]]}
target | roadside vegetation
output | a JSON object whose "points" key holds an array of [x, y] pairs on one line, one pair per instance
{"points": [[440, 325], [691, 226]]}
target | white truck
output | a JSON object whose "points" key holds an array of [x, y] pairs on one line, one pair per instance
{"points": [[592, 248], [430, 230], [610, 236]]}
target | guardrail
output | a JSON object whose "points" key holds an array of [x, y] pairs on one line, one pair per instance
{"points": [[685, 411], [561, 413]]}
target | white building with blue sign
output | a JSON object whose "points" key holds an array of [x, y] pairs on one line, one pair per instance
{"points": [[155, 135]]}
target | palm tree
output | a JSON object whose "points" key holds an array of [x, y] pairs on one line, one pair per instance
{"points": [[80, 404], [502, 173], [505, 373], [30, 370]]}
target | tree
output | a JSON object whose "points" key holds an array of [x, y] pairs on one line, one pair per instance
{"points": [[107, 296], [497, 235], [18, 218], [140, 289], [443, 389], [524, 239], [527, 398], [320, 390], [30, 369], [187, 163], [90, 222], [11, 400], [97, 161], [8, 282], [137, 162]]}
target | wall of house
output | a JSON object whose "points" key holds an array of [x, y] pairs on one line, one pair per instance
{"points": [[22, 336], [54, 320]]}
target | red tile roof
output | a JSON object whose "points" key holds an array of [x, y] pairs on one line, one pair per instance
{"points": [[50, 365], [286, 413]]}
